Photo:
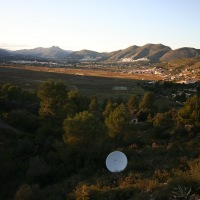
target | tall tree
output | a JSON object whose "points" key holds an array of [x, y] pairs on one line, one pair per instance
{"points": [[164, 120], [118, 121], [53, 99], [81, 102], [80, 129], [110, 106], [12, 92], [82, 136], [133, 104], [147, 103], [94, 106], [190, 113]]}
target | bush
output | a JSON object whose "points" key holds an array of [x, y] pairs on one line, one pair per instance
{"points": [[195, 169], [24, 193], [38, 171], [24, 147], [141, 196], [183, 181], [23, 120]]}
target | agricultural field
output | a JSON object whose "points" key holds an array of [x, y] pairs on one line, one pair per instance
{"points": [[103, 84]]}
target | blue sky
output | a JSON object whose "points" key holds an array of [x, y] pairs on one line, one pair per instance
{"points": [[99, 25]]}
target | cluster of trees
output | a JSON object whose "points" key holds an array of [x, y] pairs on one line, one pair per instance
{"points": [[54, 142]]}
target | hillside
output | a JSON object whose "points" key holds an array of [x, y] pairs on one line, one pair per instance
{"points": [[183, 62], [152, 52], [180, 53], [55, 142], [11, 55], [52, 52], [85, 55], [4, 53], [120, 54]]}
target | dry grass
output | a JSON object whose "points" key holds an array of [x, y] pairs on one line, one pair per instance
{"points": [[89, 82], [89, 72]]}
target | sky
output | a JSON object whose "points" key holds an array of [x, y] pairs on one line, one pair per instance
{"points": [[98, 25]]}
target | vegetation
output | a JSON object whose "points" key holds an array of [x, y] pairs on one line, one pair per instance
{"points": [[54, 143]]}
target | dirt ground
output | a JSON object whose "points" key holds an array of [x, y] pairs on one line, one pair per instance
{"points": [[89, 72], [89, 82]]}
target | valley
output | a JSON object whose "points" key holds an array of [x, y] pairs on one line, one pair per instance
{"points": [[41, 97]]}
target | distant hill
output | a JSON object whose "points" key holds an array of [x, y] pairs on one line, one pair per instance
{"points": [[180, 53], [52, 52], [120, 54], [4, 53], [9, 55], [85, 55], [152, 52], [148, 52]]}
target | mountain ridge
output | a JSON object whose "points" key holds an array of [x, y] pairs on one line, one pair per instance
{"points": [[184, 52], [149, 52], [51, 52], [86, 55]]}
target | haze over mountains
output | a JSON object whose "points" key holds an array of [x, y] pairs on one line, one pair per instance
{"points": [[52, 52], [148, 52]]}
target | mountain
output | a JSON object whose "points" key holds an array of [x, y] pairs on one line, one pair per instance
{"points": [[152, 52], [52, 52], [4, 53], [85, 55], [120, 54], [184, 52], [148, 52]]}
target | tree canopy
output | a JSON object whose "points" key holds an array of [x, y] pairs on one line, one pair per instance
{"points": [[147, 103], [53, 99], [80, 129], [118, 121], [133, 104], [190, 112]]}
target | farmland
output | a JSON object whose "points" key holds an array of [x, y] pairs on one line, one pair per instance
{"points": [[89, 82]]}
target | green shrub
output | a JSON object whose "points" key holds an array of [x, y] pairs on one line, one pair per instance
{"points": [[195, 169]]}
